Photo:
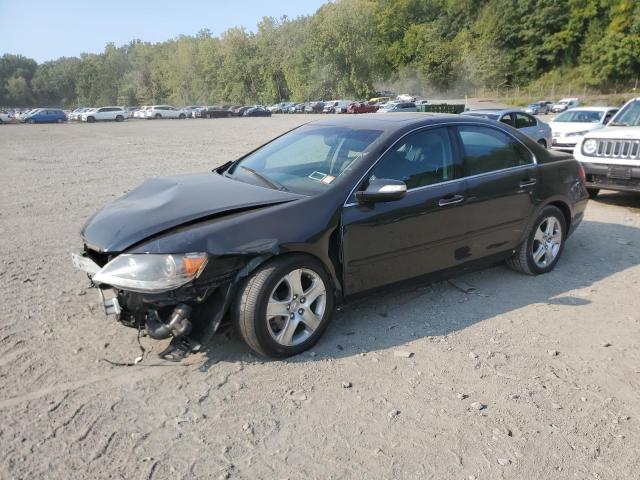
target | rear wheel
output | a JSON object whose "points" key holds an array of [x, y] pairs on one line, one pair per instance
{"points": [[119, 118], [285, 306], [543, 246], [593, 192], [91, 119]]}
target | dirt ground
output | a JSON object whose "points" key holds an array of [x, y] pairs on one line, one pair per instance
{"points": [[524, 378]]}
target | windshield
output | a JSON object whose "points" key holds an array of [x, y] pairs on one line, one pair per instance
{"points": [[629, 116], [307, 160], [580, 116]]}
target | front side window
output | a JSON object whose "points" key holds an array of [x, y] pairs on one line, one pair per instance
{"points": [[419, 159], [487, 149]]}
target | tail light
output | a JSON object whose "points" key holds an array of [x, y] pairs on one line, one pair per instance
{"points": [[581, 174]]}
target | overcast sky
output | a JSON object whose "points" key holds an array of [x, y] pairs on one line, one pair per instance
{"points": [[48, 29]]}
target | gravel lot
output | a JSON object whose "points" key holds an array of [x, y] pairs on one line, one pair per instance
{"points": [[525, 378]]}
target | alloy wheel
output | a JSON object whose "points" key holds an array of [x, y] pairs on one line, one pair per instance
{"points": [[296, 307], [546, 242]]}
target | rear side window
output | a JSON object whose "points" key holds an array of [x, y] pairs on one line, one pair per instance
{"points": [[507, 118], [524, 121], [419, 159], [486, 150]]}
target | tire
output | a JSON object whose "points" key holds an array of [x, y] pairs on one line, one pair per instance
{"points": [[524, 261], [119, 118], [543, 142], [31, 121], [301, 323], [158, 116], [182, 116], [59, 120], [593, 192], [91, 119]]}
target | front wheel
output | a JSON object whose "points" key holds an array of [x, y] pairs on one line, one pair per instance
{"points": [[543, 246], [182, 116], [283, 308], [158, 116], [31, 121], [593, 192]]}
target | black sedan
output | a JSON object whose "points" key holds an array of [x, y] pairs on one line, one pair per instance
{"points": [[257, 111], [330, 210]]}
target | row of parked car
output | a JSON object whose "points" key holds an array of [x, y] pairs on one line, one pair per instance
{"points": [[561, 133], [119, 114], [401, 103]]}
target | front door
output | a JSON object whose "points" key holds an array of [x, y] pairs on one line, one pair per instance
{"points": [[423, 232]]}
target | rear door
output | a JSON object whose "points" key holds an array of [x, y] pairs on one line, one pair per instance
{"points": [[387, 242], [502, 180]]}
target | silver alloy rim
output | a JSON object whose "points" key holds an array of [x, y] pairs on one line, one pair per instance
{"points": [[546, 242], [296, 307]]}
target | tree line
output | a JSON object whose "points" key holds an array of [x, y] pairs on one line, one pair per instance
{"points": [[350, 48]]}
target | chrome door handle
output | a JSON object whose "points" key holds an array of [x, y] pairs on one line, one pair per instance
{"points": [[529, 182], [451, 200]]}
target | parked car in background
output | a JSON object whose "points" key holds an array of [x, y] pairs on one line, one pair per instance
{"points": [[5, 117], [542, 107], [104, 114], [188, 111], [140, 112], [330, 106], [395, 107], [238, 111], [565, 104], [406, 98], [158, 112], [611, 155], [282, 107], [212, 112], [571, 125], [529, 125], [76, 115], [361, 107], [314, 107], [281, 237], [257, 111], [45, 115]]}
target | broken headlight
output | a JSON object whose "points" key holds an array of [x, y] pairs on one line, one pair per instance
{"points": [[151, 272]]}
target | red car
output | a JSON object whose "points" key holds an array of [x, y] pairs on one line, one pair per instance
{"points": [[361, 107]]}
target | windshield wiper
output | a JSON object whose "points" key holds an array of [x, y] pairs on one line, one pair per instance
{"points": [[265, 179]]}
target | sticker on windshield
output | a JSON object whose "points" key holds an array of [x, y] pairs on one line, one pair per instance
{"points": [[319, 176], [328, 179]]}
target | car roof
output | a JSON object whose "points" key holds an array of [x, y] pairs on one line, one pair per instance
{"points": [[592, 109], [495, 111], [391, 121]]}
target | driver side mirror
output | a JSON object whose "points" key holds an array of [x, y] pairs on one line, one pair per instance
{"points": [[382, 190]]}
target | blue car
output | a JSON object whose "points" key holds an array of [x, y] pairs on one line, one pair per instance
{"points": [[46, 115]]}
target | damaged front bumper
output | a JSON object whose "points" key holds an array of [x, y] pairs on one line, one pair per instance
{"points": [[193, 311]]}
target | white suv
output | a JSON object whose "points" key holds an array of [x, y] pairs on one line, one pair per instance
{"points": [[117, 114], [164, 111], [5, 117], [611, 155]]}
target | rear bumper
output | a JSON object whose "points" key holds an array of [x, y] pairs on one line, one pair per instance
{"points": [[598, 176]]}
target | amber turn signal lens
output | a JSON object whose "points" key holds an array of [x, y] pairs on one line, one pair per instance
{"points": [[193, 264]]}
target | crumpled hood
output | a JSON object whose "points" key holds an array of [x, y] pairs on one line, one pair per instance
{"points": [[166, 202]]}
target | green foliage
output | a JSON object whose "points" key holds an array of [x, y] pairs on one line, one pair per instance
{"points": [[350, 47]]}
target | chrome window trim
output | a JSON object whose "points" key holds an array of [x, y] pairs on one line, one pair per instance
{"points": [[426, 127]]}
